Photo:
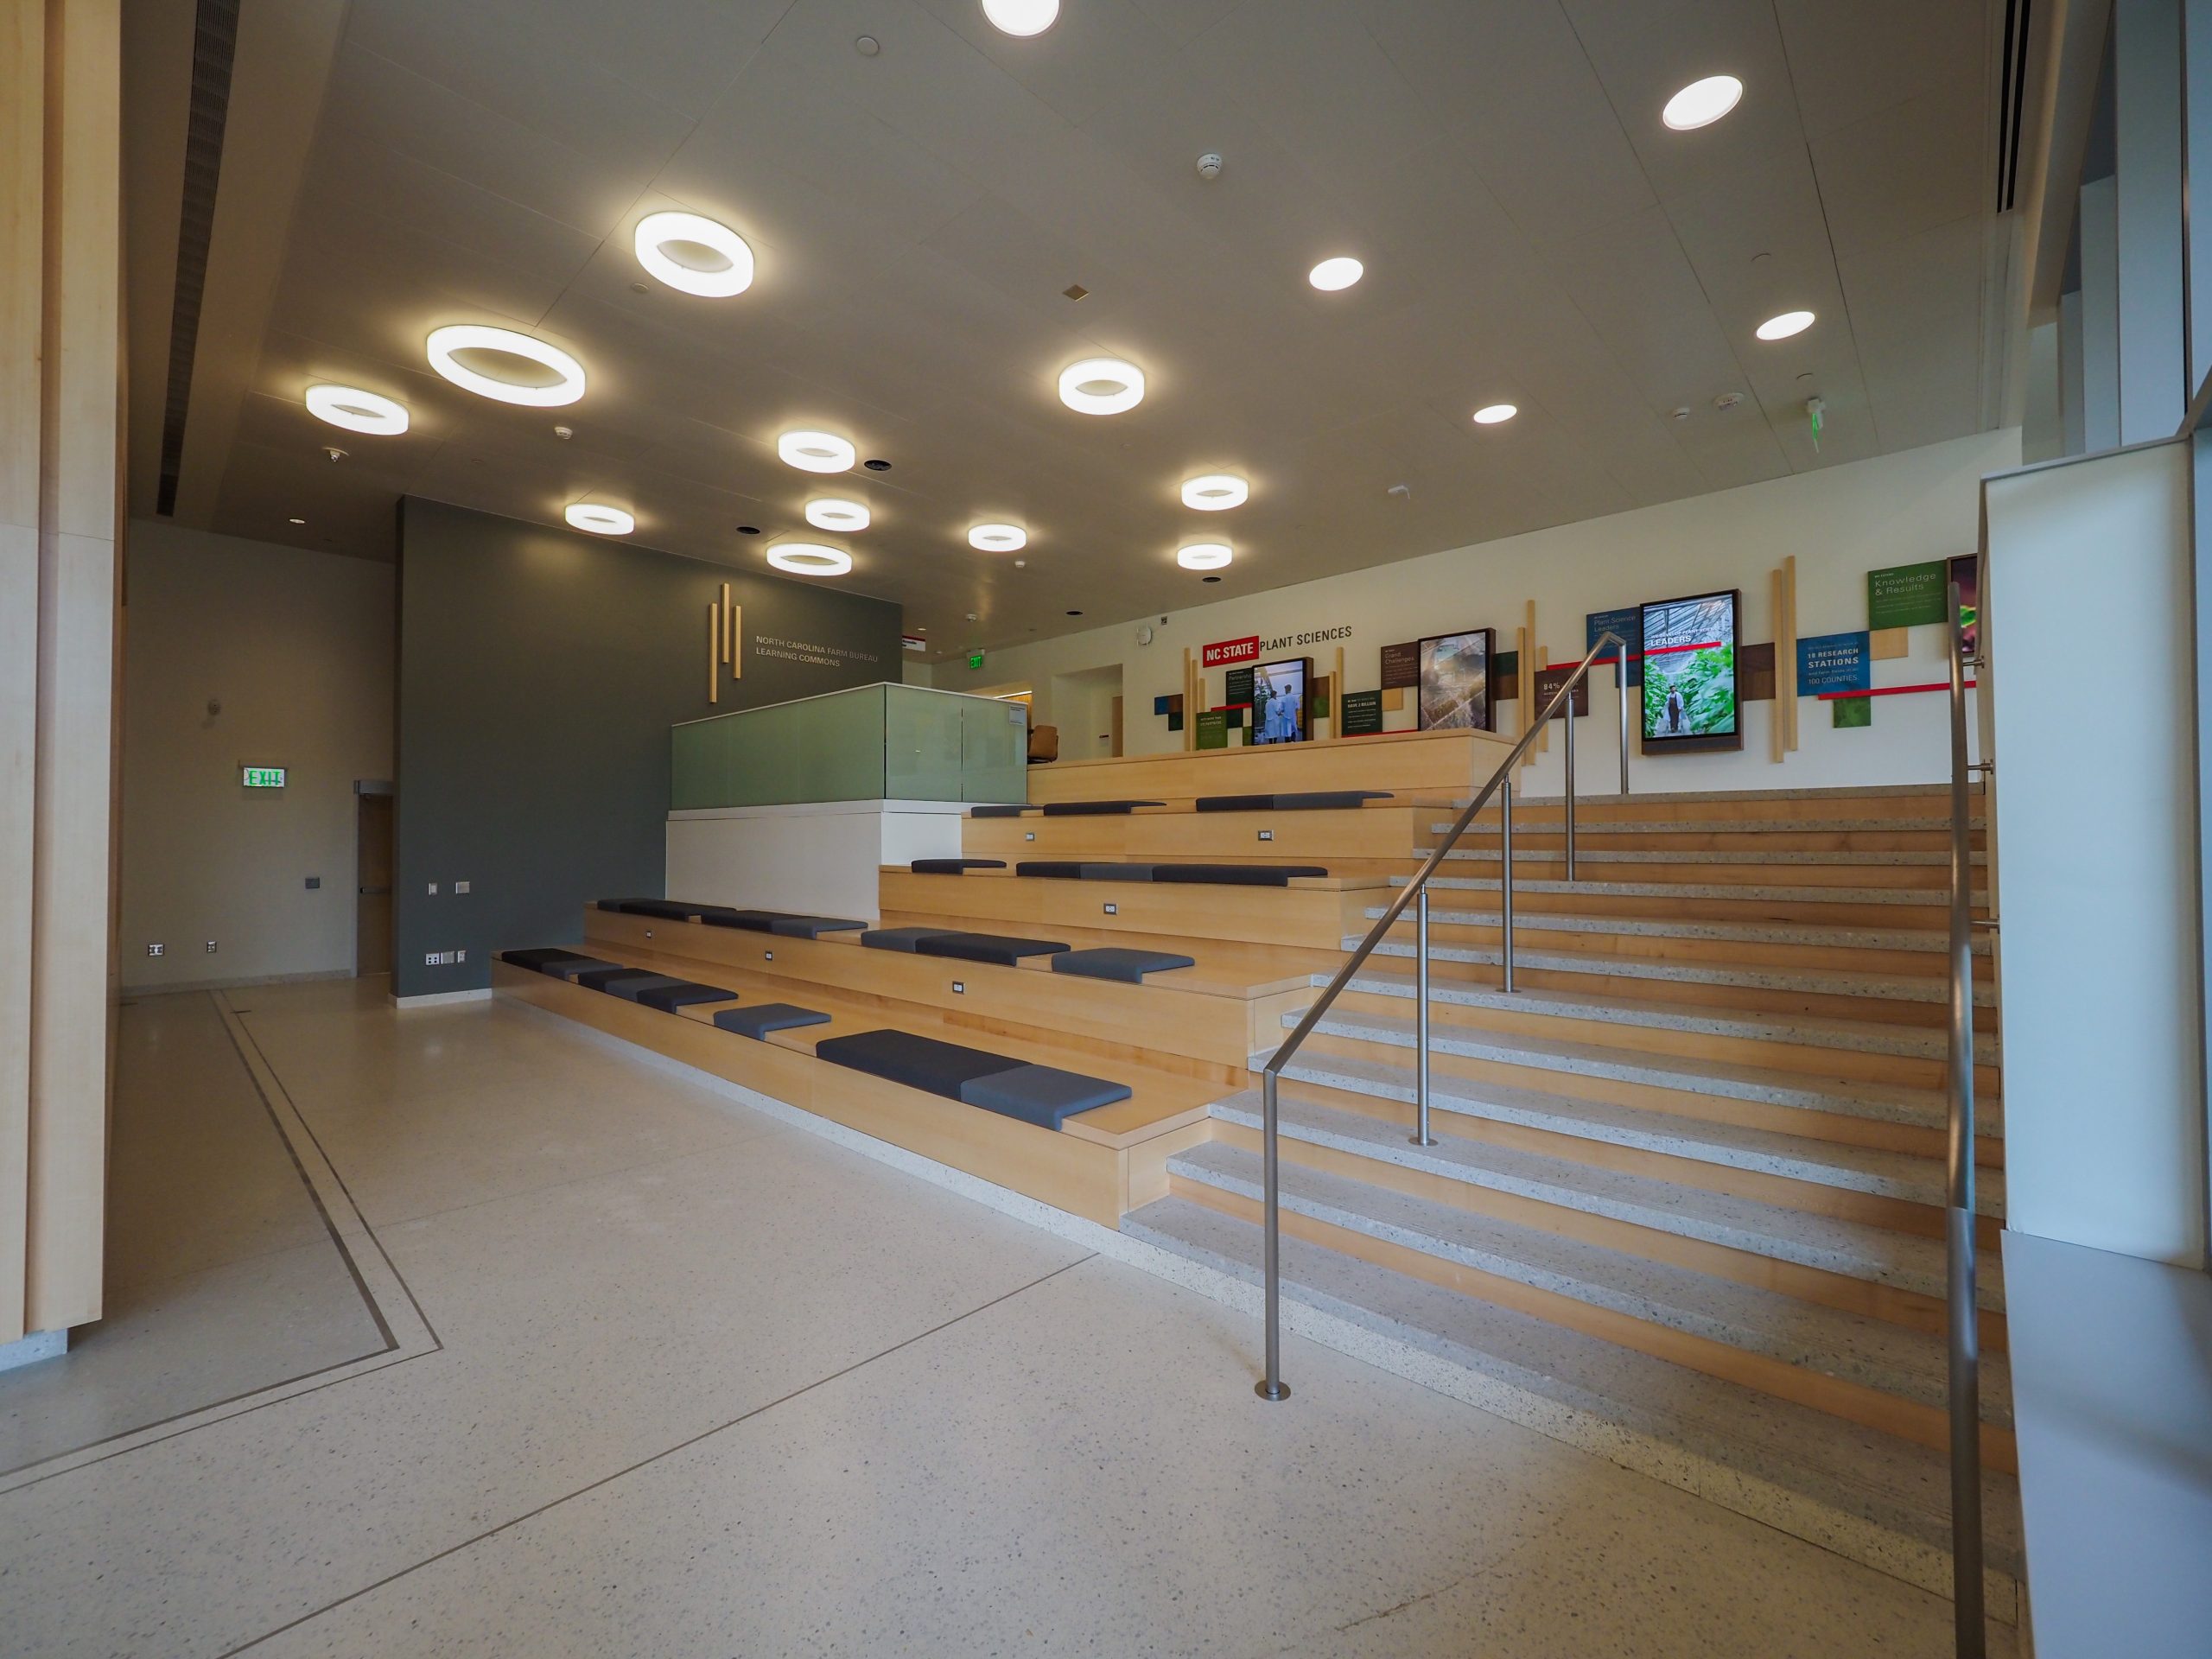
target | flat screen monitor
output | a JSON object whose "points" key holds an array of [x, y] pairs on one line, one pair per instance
{"points": [[1690, 700], [1455, 680], [1280, 701]]}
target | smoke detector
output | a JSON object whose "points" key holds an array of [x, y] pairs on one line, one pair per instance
{"points": [[565, 433], [1209, 166], [1728, 400], [335, 454]]}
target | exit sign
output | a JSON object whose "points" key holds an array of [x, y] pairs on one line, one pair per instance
{"points": [[975, 659], [261, 777]]}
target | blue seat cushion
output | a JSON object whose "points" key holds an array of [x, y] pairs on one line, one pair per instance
{"points": [[1306, 801], [600, 979], [898, 938], [758, 1021], [996, 811], [669, 998], [919, 1062], [1001, 948], [569, 967], [631, 987], [1235, 875], [812, 927], [954, 866], [1094, 809], [1113, 962], [536, 958], [1043, 1095]]}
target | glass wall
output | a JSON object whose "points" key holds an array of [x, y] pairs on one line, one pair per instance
{"points": [[874, 742]]}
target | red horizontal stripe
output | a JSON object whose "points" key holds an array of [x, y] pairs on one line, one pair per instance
{"points": [[1710, 645], [1889, 690]]}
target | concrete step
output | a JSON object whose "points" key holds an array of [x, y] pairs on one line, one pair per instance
{"points": [[1932, 943], [1879, 1255], [1872, 1497], [1546, 820], [1867, 1353], [1934, 899]]}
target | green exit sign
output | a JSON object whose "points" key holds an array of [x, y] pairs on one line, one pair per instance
{"points": [[261, 777], [975, 659]]}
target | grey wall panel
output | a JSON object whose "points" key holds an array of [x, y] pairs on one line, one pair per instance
{"points": [[539, 672]]}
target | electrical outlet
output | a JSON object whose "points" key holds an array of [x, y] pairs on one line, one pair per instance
{"points": [[211, 947], [460, 886], [461, 956], [1267, 835], [959, 987], [153, 949], [649, 933], [1029, 835], [443, 958], [1113, 910], [314, 883], [767, 956], [434, 889]]}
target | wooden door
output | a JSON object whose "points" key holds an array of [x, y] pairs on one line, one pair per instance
{"points": [[1116, 752], [372, 883]]}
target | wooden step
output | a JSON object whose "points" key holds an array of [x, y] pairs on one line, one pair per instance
{"points": [[1379, 829], [1929, 802], [1311, 915], [1782, 900]]}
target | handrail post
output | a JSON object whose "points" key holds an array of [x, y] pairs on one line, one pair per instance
{"points": [[1567, 761], [1959, 1194], [1505, 878], [1271, 1387], [1620, 674], [1421, 1137]]}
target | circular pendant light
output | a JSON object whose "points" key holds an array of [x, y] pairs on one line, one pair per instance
{"points": [[444, 344], [816, 452], [832, 512], [356, 411], [600, 520], [1492, 413], [1203, 556], [1216, 492], [1102, 385], [1022, 17], [1338, 273], [658, 233], [998, 538], [809, 559], [1702, 103], [1788, 323]]}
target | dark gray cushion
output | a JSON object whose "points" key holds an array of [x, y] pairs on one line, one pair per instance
{"points": [[919, 1062], [600, 979], [670, 910], [630, 987], [619, 904], [669, 998], [812, 927], [1001, 948], [954, 866], [1306, 801], [996, 811], [758, 1020], [1117, 872], [1113, 962], [1235, 875], [1094, 809], [1051, 869], [898, 938], [1043, 1095], [536, 958], [753, 921], [569, 967]]}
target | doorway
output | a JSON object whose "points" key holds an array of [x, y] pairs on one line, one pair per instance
{"points": [[1085, 708], [371, 879]]}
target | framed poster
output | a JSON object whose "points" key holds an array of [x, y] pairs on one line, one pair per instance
{"points": [[1401, 665], [1282, 708], [1965, 570], [1360, 714], [1455, 680], [1690, 700]]}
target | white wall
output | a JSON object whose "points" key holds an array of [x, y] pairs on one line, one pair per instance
{"points": [[297, 648], [2095, 799], [1840, 522]]}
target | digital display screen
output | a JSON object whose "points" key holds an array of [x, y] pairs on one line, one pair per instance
{"points": [[1455, 680], [1280, 712], [1689, 672]]}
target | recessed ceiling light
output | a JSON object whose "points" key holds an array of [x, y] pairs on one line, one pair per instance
{"points": [[1022, 17], [1074, 612], [1702, 103], [1332, 274], [809, 559], [1102, 385], [694, 253], [998, 538], [445, 344], [1203, 556], [600, 521], [297, 521], [748, 530], [830, 512], [1216, 492], [815, 452], [1492, 413], [356, 411], [1788, 323], [1209, 578]]}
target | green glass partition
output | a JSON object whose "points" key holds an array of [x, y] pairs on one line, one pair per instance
{"points": [[874, 742]]}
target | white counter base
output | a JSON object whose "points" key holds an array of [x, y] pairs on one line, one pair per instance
{"points": [[821, 858]]}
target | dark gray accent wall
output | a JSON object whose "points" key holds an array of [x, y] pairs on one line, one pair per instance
{"points": [[540, 672]]}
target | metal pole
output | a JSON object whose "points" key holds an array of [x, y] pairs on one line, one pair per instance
{"points": [[1566, 760], [1421, 1137], [1505, 877], [1272, 1387], [1959, 1181], [1620, 674]]}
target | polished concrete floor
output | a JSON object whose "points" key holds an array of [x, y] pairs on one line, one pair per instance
{"points": [[666, 1376]]}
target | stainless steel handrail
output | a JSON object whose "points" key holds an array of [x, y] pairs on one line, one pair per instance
{"points": [[1272, 1387], [1959, 1177]]}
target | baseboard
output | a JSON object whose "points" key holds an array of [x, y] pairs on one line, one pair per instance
{"points": [[28, 1350], [441, 999]]}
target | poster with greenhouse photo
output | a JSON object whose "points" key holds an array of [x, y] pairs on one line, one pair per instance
{"points": [[1689, 673]]}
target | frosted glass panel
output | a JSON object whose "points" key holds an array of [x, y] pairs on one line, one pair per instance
{"points": [[922, 745], [993, 751], [873, 742]]}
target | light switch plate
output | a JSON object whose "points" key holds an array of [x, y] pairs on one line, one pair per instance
{"points": [[1267, 835], [153, 949], [959, 987], [1113, 910], [460, 886], [434, 889]]}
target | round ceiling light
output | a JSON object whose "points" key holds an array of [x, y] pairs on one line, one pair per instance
{"points": [[815, 452], [1332, 274], [998, 538], [600, 521], [694, 253], [1788, 323], [830, 512], [1022, 17], [1216, 492], [1203, 556], [1102, 385], [1492, 413], [1702, 103], [445, 345], [809, 559], [356, 411]]}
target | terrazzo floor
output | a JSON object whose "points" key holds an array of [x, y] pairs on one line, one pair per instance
{"points": [[672, 1378]]}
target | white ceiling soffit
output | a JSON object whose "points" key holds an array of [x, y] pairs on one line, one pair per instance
{"points": [[1532, 234]]}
